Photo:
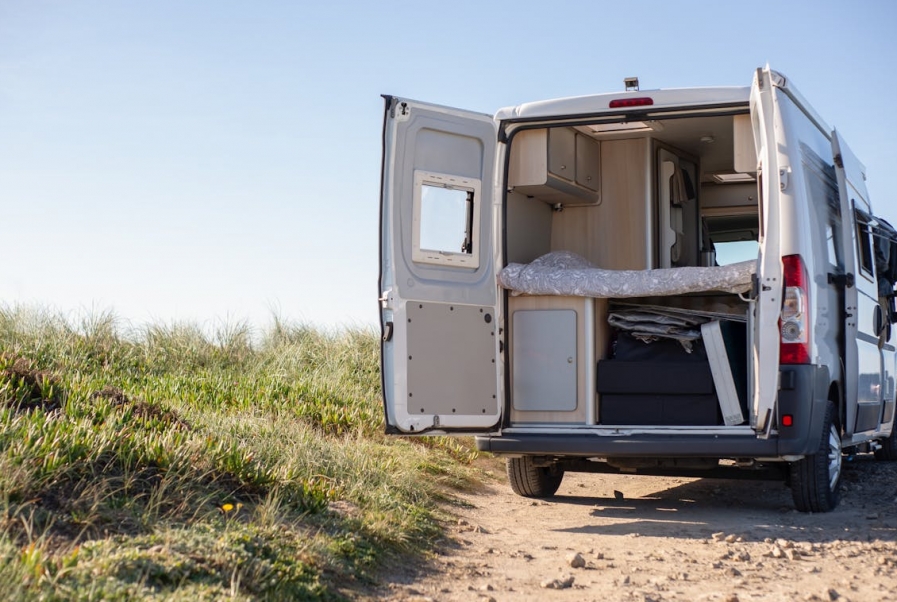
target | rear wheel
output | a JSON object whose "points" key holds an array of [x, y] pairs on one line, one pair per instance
{"points": [[816, 479], [530, 480], [888, 451]]}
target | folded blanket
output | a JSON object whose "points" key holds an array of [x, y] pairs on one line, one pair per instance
{"points": [[566, 273]]}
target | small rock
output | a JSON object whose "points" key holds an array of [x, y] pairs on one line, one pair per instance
{"points": [[626, 580], [618, 495], [600, 555], [575, 560], [784, 544], [730, 538], [733, 572], [832, 594], [559, 583], [718, 536], [792, 554], [717, 565], [777, 552], [487, 588], [743, 556], [732, 598]]}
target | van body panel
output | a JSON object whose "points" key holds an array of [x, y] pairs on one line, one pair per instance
{"points": [[864, 367], [437, 275], [599, 103]]}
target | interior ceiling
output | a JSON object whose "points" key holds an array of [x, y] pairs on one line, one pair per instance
{"points": [[685, 134]]}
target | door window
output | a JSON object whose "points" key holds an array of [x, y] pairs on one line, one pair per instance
{"points": [[446, 220]]}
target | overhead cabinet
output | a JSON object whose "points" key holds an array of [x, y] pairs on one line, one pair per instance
{"points": [[556, 165]]}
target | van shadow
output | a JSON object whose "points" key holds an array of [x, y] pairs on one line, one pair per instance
{"points": [[753, 510]]}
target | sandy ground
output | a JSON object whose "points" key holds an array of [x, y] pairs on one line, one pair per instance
{"points": [[662, 538]]}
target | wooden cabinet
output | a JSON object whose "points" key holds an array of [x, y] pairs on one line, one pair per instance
{"points": [[556, 165]]}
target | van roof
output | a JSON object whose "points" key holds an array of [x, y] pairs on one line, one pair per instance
{"points": [[600, 103]]}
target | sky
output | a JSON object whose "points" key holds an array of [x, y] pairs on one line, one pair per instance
{"points": [[219, 161]]}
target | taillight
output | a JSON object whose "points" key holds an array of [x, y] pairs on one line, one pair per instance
{"points": [[642, 101], [794, 321]]}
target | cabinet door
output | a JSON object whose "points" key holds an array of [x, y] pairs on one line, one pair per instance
{"points": [[562, 152], [588, 156]]}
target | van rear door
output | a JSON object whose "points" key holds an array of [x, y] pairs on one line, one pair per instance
{"points": [[438, 292], [772, 171]]}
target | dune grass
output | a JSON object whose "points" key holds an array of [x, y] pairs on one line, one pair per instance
{"points": [[173, 464]]}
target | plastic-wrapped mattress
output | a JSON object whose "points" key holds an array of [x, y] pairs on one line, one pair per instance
{"points": [[566, 273]]}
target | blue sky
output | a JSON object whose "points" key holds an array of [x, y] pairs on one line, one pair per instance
{"points": [[215, 160]]}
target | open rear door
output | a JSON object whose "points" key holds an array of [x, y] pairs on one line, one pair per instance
{"points": [[773, 174], [438, 292]]}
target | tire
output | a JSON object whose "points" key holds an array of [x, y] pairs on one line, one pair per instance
{"points": [[816, 479], [530, 480], [888, 451]]}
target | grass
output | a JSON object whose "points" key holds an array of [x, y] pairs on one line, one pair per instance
{"points": [[170, 464]]}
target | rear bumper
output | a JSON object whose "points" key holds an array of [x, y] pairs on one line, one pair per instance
{"points": [[631, 446]]}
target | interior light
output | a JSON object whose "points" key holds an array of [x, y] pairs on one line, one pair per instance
{"points": [[729, 178], [787, 420]]}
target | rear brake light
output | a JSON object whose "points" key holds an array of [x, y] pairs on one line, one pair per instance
{"points": [[642, 101], [794, 322]]}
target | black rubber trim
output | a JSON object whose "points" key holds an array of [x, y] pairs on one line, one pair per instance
{"points": [[632, 446], [390, 430]]}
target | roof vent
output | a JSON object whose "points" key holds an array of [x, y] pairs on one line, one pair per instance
{"points": [[631, 84]]}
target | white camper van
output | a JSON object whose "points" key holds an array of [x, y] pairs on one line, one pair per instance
{"points": [[669, 281]]}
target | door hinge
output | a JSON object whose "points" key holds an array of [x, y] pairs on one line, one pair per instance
{"points": [[400, 111], [842, 280], [784, 178], [385, 300]]}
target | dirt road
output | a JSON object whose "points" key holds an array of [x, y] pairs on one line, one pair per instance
{"points": [[662, 538]]}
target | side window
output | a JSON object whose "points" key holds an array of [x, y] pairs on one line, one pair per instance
{"points": [[446, 220], [864, 245]]}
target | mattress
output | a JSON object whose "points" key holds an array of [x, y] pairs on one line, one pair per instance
{"points": [[566, 273]]}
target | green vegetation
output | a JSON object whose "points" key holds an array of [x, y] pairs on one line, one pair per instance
{"points": [[167, 464]]}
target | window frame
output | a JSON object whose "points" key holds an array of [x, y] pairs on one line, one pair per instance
{"points": [[473, 188]]}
